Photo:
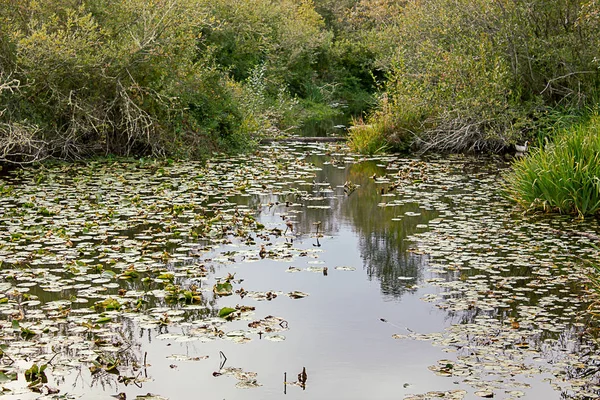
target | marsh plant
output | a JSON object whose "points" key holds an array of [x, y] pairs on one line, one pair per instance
{"points": [[563, 176], [367, 138], [386, 130]]}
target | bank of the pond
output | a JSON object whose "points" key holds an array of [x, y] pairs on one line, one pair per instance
{"points": [[352, 277]]}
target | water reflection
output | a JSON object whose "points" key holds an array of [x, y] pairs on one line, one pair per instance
{"points": [[499, 284], [381, 230]]}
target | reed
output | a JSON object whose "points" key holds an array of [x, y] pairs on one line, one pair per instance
{"points": [[563, 176]]}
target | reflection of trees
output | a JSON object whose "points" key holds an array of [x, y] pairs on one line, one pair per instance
{"points": [[381, 239]]}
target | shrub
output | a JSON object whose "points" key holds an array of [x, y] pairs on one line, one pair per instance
{"points": [[176, 77], [285, 38], [561, 177], [108, 77], [473, 75]]}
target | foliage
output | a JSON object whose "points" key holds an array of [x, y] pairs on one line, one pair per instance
{"points": [[366, 139], [226, 311], [285, 37], [382, 134], [564, 176], [474, 75], [184, 78], [295, 64], [352, 73], [175, 77], [36, 374], [102, 77]]}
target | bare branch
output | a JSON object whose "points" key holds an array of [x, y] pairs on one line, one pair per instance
{"points": [[456, 134], [18, 144], [8, 84], [548, 85]]}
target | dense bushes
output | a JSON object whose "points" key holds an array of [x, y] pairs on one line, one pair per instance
{"points": [[176, 77], [476, 75], [564, 176], [184, 77], [286, 38], [105, 77]]}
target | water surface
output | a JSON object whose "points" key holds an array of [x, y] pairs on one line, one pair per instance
{"points": [[419, 278]]}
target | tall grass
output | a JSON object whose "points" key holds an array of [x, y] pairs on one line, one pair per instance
{"points": [[563, 176], [367, 138]]}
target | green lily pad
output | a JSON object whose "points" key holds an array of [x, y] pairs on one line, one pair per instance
{"points": [[7, 377], [223, 289], [225, 311]]}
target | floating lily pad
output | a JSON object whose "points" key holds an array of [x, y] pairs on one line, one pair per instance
{"points": [[226, 311], [183, 357], [297, 294], [223, 289], [150, 396], [275, 338]]}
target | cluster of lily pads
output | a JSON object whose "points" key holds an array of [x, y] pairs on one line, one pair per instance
{"points": [[87, 249], [513, 285]]}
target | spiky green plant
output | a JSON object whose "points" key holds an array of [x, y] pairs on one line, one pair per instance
{"points": [[560, 177]]}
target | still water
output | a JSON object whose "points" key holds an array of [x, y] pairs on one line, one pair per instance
{"points": [[389, 277]]}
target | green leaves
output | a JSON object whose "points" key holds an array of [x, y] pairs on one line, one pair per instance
{"points": [[7, 377], [223, 289], [109, 304], [103, 320], [226, 311], [26, 333], [36, 374], [563, 176]]}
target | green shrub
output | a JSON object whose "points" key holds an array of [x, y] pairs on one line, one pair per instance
{"points": [[113, 77], [563, 176], [286, 38], [178, 78], [367, 139], [474, 75]]}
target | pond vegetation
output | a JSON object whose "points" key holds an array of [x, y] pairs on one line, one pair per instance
{"points": [[204, 259], [563, 176], [145, 279]]}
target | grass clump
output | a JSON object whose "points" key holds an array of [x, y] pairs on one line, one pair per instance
{"points": [[563, 176], [385, 130], [367, 138]]}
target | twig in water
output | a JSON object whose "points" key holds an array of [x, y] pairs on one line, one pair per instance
{"points": [[222, 355]]}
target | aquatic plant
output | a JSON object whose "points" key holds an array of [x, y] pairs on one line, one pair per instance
{"points": [[367, 138], [560, 177]]}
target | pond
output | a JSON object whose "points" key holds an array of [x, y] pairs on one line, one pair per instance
{"points": [[301, 272]]}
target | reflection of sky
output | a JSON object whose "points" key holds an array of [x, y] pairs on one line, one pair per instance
{"points": [[336, 332], [380, 232]]}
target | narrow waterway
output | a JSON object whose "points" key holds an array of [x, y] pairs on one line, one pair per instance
{"points": [[388, 278]]}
